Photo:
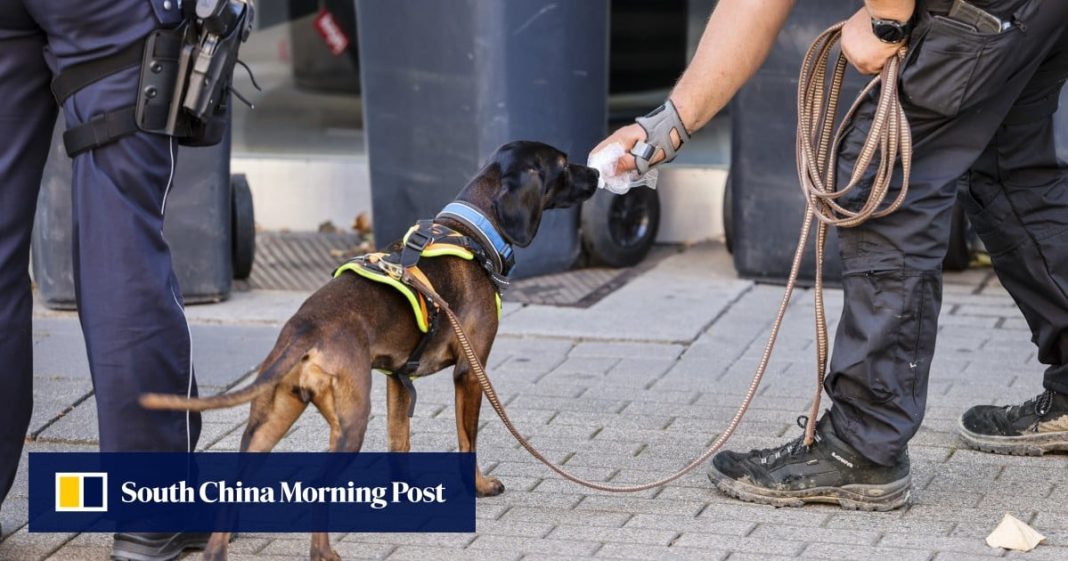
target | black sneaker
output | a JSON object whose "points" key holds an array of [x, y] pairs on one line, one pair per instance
{"points": [[1037, 426], [156, 546], [829, 471]]}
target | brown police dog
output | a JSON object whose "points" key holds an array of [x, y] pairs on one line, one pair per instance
{"points": [[325, 352]]}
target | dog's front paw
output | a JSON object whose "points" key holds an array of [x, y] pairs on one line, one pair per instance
{"points": [[489, 487]]}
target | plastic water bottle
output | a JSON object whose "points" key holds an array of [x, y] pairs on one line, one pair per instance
{"points": [[605, 163]]}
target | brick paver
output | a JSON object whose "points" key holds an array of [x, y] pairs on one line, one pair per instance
{"points": [[622, 394]]}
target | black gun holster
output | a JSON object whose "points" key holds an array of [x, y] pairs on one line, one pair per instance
{"points": [[166, 58]]}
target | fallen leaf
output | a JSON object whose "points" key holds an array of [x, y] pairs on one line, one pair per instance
{"points": [[362, 224]]}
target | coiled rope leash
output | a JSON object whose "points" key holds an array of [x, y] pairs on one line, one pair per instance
{"points": [[816, 166], [817, 109]]}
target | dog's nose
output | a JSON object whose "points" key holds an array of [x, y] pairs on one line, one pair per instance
{"points": [[590, 180], [587, 172], [585, 178]]}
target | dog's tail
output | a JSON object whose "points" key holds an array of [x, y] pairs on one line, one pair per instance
{"points": [[265, 382]]}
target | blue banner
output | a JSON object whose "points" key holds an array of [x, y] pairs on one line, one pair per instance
{"points": [[275, 492]]}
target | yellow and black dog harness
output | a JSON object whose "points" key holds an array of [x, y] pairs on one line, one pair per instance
{"points": [[426, 239], [385, 267]]}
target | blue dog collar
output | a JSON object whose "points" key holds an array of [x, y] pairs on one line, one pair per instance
{"points": [[489, 236]]}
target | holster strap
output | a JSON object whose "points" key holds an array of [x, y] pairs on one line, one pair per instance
{"points": [[78, 76], [100, 130]]}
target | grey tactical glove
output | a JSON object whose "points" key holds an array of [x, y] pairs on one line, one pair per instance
{"points": [[658, 125]]}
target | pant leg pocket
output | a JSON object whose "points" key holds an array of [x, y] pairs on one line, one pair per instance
{"points": [[950, 65], [883, 349], [993, 219], [849, 149]]}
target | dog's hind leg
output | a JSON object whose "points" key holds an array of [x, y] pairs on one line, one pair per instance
{"points": [[271, 416], [468, 404], [217, 546], [398, 423], [346, 408]]}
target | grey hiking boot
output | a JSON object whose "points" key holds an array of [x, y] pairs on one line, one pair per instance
{"points": [[829, 471], [1036, 426]]}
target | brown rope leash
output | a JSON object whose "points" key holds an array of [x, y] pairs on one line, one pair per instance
{"points": [[889, 135], [817, 110]]}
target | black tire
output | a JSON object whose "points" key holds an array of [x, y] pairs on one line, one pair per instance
{"points": [[242, 227], [959, 255], [728, 216], [619, 230]]}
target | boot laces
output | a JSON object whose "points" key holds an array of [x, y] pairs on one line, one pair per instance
{"points": [[1041, 404], [773, 456]]}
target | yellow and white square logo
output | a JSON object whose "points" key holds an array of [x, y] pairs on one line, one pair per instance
{"points": [[81, 492]]}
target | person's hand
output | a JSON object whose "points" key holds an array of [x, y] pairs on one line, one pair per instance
{"points": [[626, 136], [862, 48]]}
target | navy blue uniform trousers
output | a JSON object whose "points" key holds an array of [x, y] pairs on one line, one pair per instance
{"points": [[129, 303], [980, 107]]}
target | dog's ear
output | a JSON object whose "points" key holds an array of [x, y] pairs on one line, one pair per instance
{"points": [[518, 205]]}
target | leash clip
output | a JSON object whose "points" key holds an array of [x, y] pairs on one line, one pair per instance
{"points": [[390, 268]]}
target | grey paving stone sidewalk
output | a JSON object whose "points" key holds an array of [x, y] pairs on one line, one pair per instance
{"points": [[625, 391]]}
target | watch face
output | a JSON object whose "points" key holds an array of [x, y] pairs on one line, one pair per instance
{"points": [[888, 31]]}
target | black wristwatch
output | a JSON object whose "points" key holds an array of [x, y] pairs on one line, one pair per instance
{"points": [[891, 31]]}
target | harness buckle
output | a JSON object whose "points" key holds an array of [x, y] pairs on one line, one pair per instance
{"points": [[417, 240], [414, 244]]}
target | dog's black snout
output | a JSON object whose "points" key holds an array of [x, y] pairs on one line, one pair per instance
{"points": [[592, 175], [584, 175], [580, 184]]}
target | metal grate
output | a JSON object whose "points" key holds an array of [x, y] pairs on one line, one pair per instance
{"points": [[580, 288], [300, 260], [303, 261], [559, 289]]}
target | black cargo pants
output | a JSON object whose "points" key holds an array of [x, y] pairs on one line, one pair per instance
{"points": [[980, 105]]}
